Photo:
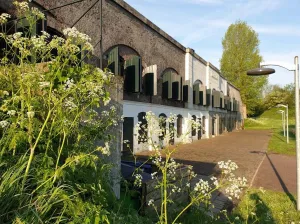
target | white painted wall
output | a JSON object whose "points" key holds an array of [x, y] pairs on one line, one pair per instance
{"points": [[132, 109], [223, 85], [214, 79]]}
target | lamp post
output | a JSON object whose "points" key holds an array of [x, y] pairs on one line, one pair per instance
{"points": [[287, 120], [283, 120], [295, 69]]}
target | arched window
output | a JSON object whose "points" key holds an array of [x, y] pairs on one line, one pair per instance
{"points": [[162, 125], [196, 92], [172, 85], [221, 99], [179, 125], [143, 128], [194, 118], [125, 61]]}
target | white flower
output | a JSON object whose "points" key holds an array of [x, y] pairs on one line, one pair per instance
{"points": [[69, 84], [44, 84], [153, 175], [4, 17], [69, 104], [30, 114], [138, 180], [6, 93], [35, 11], [106, 101], [215, 181], [202, 187], [4, 124], [227, 167], [74, 34], [151, 202], [11, 112], [104, 150]]}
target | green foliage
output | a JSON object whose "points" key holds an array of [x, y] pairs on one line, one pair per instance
{"points": [[51, 116], [278, 95], [264, 206], [240, 54], [271, 120], [278, 144]]}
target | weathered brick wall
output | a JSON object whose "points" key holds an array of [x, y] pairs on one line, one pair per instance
{"points": [[122, 25]]}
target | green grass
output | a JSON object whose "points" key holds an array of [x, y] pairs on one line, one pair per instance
{"points": [[256, 206], [266, 207], [271, 120], [278, 144]]}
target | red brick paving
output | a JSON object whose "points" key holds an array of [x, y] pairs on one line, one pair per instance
{"points": [[278, 173], [247, 148]]}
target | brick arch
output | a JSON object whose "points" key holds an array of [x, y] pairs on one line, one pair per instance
{"points": [[198, 81], [124, 47], [166, 70]]}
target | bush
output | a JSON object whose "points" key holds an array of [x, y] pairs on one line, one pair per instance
{"points": [[50, 118]]}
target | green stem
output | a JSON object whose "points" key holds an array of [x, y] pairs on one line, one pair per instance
{"points": [[59, 153], [32, 149], [165, 197], [182, 211]]}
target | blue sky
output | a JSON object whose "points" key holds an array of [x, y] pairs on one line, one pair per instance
{"points": [[201, 25]]}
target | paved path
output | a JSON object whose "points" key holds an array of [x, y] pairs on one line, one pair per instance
{"points": [[278, 173], [247, 148]]}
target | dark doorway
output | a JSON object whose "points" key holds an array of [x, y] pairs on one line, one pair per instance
{"points": [[213, 126], [128, 134], [203, 125], [172, 133], [194, 129], [200, 129]]}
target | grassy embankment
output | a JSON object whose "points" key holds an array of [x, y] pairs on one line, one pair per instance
{"points": [[271, 120], [270, 206]]}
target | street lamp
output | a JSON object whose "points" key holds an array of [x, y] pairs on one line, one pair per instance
{"points": [[295, 69], [287, 120], [283, 120]]}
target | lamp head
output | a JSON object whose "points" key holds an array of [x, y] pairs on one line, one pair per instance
{"points": [[260, 71]]}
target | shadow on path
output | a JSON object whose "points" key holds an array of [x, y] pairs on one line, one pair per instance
{"points": [[284, 187]]}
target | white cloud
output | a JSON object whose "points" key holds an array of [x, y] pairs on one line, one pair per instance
{"points": [[280, 30]]}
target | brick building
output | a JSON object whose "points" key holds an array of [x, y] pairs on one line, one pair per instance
{"points": [[159, 74]]}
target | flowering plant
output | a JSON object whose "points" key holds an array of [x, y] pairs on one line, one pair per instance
{"points": [[51, 124], [169, 182]]}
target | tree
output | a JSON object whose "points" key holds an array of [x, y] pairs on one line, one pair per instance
{"points": [[240, 54], [280, 95]]}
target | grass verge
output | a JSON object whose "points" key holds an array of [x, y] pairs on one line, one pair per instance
{"points": [[265, 206], [278, 144]]}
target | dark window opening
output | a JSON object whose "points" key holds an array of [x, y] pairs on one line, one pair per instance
{"points": [[179, 125], [163, 126], [194, 129], [203, 125], [143, 134]]}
